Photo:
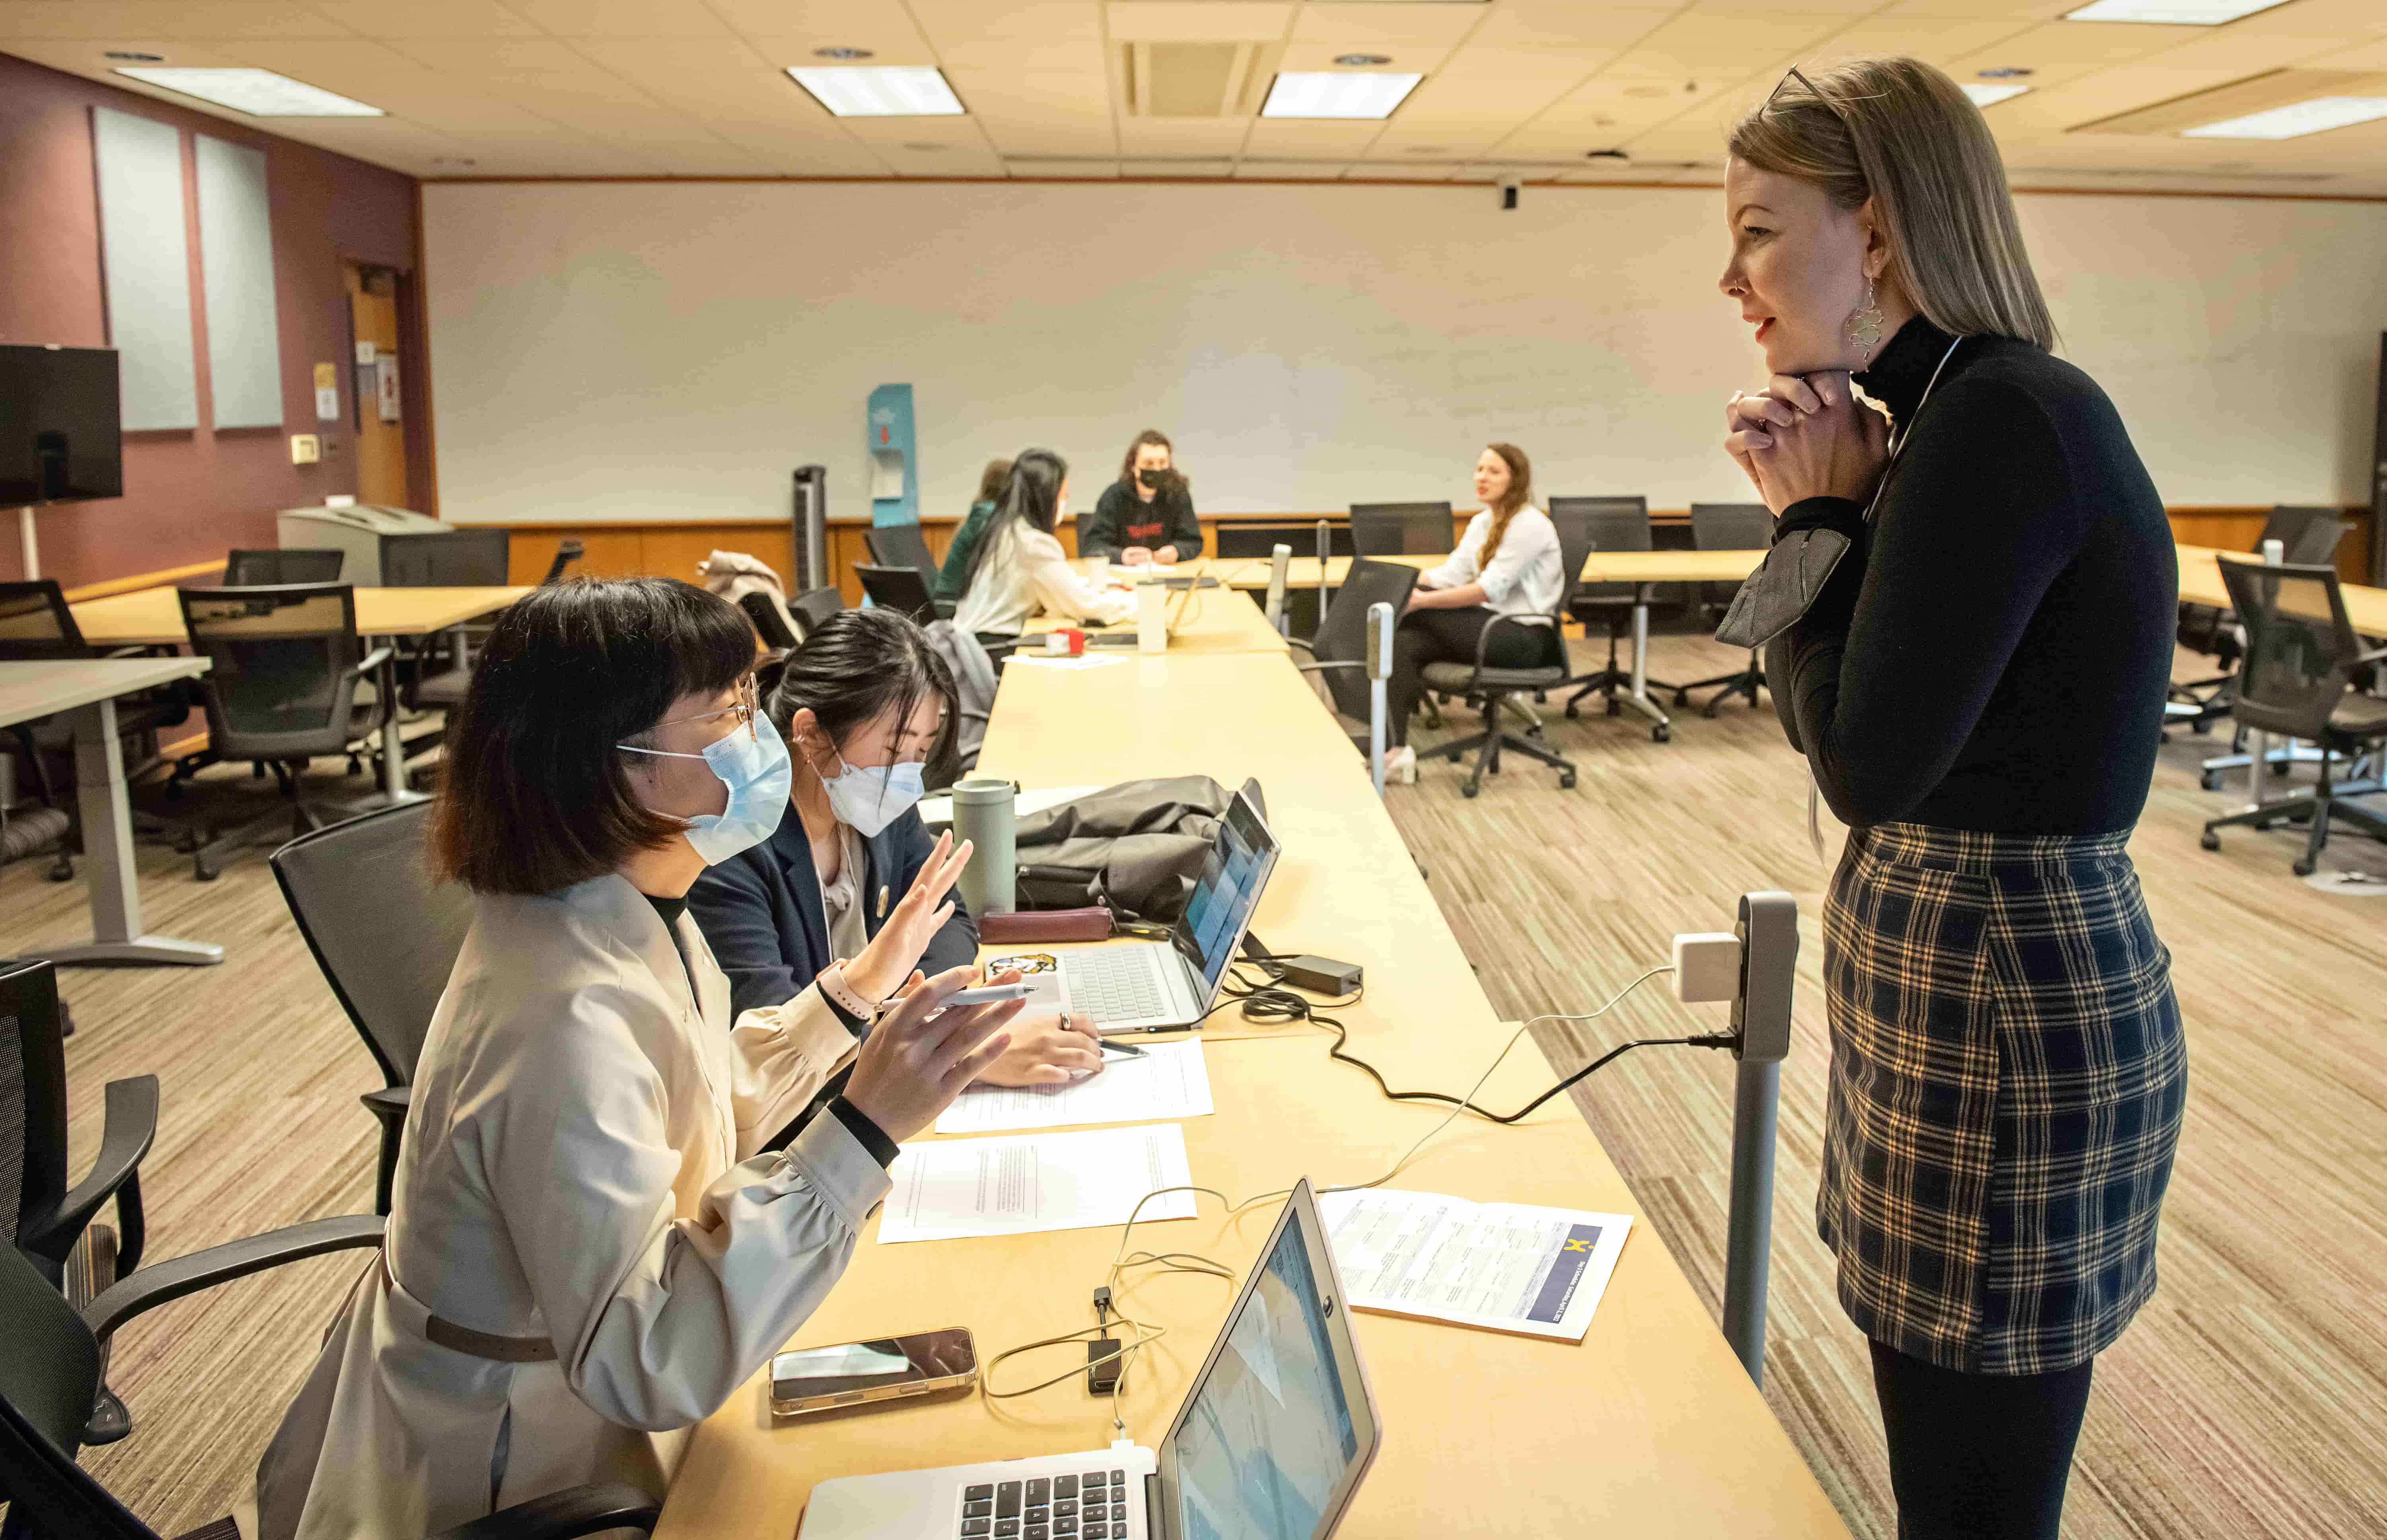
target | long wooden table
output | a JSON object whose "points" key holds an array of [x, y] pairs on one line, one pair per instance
{"points": [[1648, 1427], [2200, 583], [153, 617], [1219, 621]]}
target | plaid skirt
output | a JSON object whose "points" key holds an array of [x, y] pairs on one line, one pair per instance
{"points": [[2008, 1076]]}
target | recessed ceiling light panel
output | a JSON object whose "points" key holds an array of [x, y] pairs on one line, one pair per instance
{"points": [[880, 89], [259, 93], [2176, 13], [1334, 94], [1986, 94], [2297, 118]]}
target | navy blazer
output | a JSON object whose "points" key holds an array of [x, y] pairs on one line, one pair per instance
{"points": [[761, 910]]}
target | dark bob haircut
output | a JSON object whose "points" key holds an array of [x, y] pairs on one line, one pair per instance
{"points": [[860, 666], [534, 797]]}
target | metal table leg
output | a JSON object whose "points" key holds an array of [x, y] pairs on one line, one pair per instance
{"points": [[108, 870], [393, 746], [1639, 699]]}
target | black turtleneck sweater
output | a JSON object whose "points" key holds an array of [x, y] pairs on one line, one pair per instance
{"points": [[1993, 652]]}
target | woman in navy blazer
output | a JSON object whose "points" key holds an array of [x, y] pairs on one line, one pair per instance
{"points": [[864, 704]]}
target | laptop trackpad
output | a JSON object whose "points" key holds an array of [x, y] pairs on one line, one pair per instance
{"points": [[1040, 971]]}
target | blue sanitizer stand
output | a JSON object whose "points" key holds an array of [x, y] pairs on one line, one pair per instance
{"points": [[894, 457]]}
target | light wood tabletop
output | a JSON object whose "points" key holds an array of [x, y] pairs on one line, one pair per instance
{"points": [[152, 617], [1648, 1427], [31, 689], [1218, 621], [2200, 583], [1614, 566]]}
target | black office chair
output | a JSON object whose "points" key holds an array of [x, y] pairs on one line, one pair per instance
{"points": [[284, 689], [1495, 687], [1339, 653], [2308, 537], [51, 1360], [900, 589], [39, 1214], [568, 551], [2302, 654], [1400, 529], [763, 616], [37, 625], [904, 546], [257, 569], [1727, 527], [811, 609], [437, 670], [1238, 540], [1612, 523], [385, 933]]}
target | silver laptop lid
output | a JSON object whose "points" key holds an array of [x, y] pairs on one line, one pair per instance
{"points": [[1233, 876], [1281, 1423]]}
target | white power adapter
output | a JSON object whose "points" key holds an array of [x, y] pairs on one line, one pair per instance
{"points": [[1707, 966]]}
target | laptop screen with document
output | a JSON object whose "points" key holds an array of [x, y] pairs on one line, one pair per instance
{"points": [[1220, 909]]}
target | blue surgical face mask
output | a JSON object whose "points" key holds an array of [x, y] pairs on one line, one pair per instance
{"points": [[868, 801], [754, 765]]}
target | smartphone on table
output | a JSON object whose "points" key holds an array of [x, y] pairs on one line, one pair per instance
{"points": [[884, 1369]]}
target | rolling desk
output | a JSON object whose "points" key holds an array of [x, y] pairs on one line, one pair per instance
{"points": [[88, 688], [1650, 1427], [154, 617]]}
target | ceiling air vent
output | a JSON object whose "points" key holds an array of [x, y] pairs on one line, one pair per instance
{"points": [[1195, 80], [2254, 94]]}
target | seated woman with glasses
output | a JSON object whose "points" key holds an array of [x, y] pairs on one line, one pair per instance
{"points": [[588, 1250]]}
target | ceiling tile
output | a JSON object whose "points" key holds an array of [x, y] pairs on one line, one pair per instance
{"points": [[192, 21], [972, 20], [1181, 135], [1507, 101], [1064, 95], [623, 18], [400, 19], [2321, 19], [2247, 53], [1999, 10], [1769, 31], [706, 58], [975, 160], [355, 68], [1393, 171], [2369, 56], [88, 56], [1042, 134], [791, 17], [495, 58], [1930, 38], [1074, 168], [1510, 26], [1379, 24], [1198, 20], [1177, 169], [1305, 138], [1417, 58], [1044, 56], [1473, 61]]}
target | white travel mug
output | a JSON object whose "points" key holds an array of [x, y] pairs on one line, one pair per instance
{"points": [[1152, 617]]}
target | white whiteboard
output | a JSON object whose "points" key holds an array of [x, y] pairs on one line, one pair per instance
{"points": [[652, 351]]}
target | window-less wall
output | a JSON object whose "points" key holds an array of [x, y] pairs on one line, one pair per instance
{"points": [[645, 352]]}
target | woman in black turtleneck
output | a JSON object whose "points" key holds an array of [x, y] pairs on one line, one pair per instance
{"points": [[1977, 687]]}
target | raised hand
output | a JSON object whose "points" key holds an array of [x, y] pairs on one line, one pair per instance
{"points": [[895, 951]]}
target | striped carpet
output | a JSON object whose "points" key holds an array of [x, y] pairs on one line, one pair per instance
{"points": [[2250, 1399]]}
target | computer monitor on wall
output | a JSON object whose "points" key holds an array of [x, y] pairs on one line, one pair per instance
{"points": [[60, 438]]}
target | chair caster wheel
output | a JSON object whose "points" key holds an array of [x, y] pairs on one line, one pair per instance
{"points": [[2202, 729], [62, 871], [2210, 781], [2303, 868], [2211, 841], [205, 873], [1469, 789], [1660, 733], [1566, 781], [1613, 709], [1570, 711]]}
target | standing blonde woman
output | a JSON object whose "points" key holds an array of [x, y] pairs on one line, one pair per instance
{"points": [[1977, 687]]}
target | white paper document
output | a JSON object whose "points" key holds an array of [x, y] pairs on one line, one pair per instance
{"points": [[950, 1189], [1081, 662], [1505, 1267], [1171, 1081]]}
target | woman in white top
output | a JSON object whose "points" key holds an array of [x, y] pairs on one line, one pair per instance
{"points": [[1019, 566], [1506, 565], [587, 1254]]}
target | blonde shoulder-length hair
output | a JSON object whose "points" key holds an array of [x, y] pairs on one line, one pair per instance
{"points": [[1904, 134]]}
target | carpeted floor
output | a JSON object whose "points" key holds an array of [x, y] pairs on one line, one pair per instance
{"points": [[2250, 1399]]}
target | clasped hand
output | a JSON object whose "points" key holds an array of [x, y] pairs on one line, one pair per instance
{"points": [[1807, 437]]}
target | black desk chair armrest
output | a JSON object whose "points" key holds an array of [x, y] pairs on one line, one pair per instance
{"points": [[1483, 642], [2374, 657], [131, 1129], [574, 1512], [388, 1105], [157, 1285], [1322, 667]]}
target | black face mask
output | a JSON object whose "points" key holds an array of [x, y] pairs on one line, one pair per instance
{"points": [[1151, 478]]}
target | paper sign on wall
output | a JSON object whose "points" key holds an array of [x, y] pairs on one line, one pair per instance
{"points": [[327, 392], [385, 368], [364, 352]]}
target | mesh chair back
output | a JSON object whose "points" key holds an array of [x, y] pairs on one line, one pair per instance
{"points": [[285, 680], [1400, 528], [1612, 523], [385, 930], [901, 589], [813, 608], [568, 551], [1238, 540], [49, 1374], [257, 569], [1728, 526], [35, 623], [2307, 537], [2301, 649], [1342, 633], [32, 1096], [902, 545], [445, 559]]}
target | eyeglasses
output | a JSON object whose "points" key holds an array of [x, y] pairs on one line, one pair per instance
{"points": [[743, 709]]}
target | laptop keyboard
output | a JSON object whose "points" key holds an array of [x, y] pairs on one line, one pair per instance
{"points": [[1089, 1505], [1116, 985]]}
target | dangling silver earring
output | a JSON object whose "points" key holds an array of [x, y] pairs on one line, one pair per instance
{"points": [[1863, 326]]}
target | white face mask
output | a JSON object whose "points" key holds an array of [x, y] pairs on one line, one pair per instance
{"points": [[868, 801]]}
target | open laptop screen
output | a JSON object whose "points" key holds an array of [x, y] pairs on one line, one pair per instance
{"points": [[1223, 898], [1261, 1449]]}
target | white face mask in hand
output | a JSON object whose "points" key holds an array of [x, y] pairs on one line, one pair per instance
{"points": [[868, 801]]}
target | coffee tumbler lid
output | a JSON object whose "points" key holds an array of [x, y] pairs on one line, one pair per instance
{"points": [[982, 793]]}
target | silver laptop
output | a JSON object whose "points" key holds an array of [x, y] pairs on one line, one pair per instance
{"points": [[1156, 986], [1270, 1443]]}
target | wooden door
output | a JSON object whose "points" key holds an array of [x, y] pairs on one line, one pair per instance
{"points": [[381, 445]]}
